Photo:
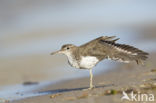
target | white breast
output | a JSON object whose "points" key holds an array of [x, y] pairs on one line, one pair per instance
{"points": [[88, 62]]}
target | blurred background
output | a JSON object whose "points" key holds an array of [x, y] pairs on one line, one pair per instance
{"points": [[31, 29]]}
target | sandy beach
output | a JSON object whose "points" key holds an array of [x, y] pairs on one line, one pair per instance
{"points": [[31, 30], [108, 86]]}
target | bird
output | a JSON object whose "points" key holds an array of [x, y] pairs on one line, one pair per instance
{"points": [[88, 55]]}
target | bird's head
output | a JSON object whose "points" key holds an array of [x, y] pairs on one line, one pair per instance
{"points": [[65, 49]]}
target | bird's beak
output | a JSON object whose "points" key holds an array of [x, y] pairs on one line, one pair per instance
{"points": [[56, 52]]}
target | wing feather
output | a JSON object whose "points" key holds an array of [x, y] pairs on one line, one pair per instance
{"points": [[106, 47], [124, 53]]}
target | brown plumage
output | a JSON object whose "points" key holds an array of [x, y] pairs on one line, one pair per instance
{"points": [[106, 48]]}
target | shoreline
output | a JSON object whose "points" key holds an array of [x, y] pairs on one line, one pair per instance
{"points": [[109, 86]]}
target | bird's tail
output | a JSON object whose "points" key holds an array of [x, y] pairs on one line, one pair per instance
{"points": [[133, 53], [122, 52]]}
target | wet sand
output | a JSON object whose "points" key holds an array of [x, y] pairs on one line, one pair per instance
{"points": [[109, 86]]}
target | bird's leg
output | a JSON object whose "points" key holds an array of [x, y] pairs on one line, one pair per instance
{"points": [[91, 79]]}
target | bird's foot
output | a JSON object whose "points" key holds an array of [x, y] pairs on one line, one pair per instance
{"points": [[90, 88]]}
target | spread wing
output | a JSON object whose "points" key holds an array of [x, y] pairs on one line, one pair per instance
{"points": [[107, 48]]}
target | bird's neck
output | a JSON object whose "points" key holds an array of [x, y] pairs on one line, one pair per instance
{"points": [[72, 59], [70, 56]]}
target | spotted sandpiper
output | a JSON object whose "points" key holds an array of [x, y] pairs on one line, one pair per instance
{"points": [[88, 55]]}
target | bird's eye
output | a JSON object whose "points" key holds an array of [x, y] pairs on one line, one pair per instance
{"points": [[67, 48]]}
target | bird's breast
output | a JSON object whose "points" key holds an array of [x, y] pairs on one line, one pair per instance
{"points": [[73, 62], [88, 62]]}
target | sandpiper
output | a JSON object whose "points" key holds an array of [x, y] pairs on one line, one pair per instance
{"points": [[90, 54]]}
